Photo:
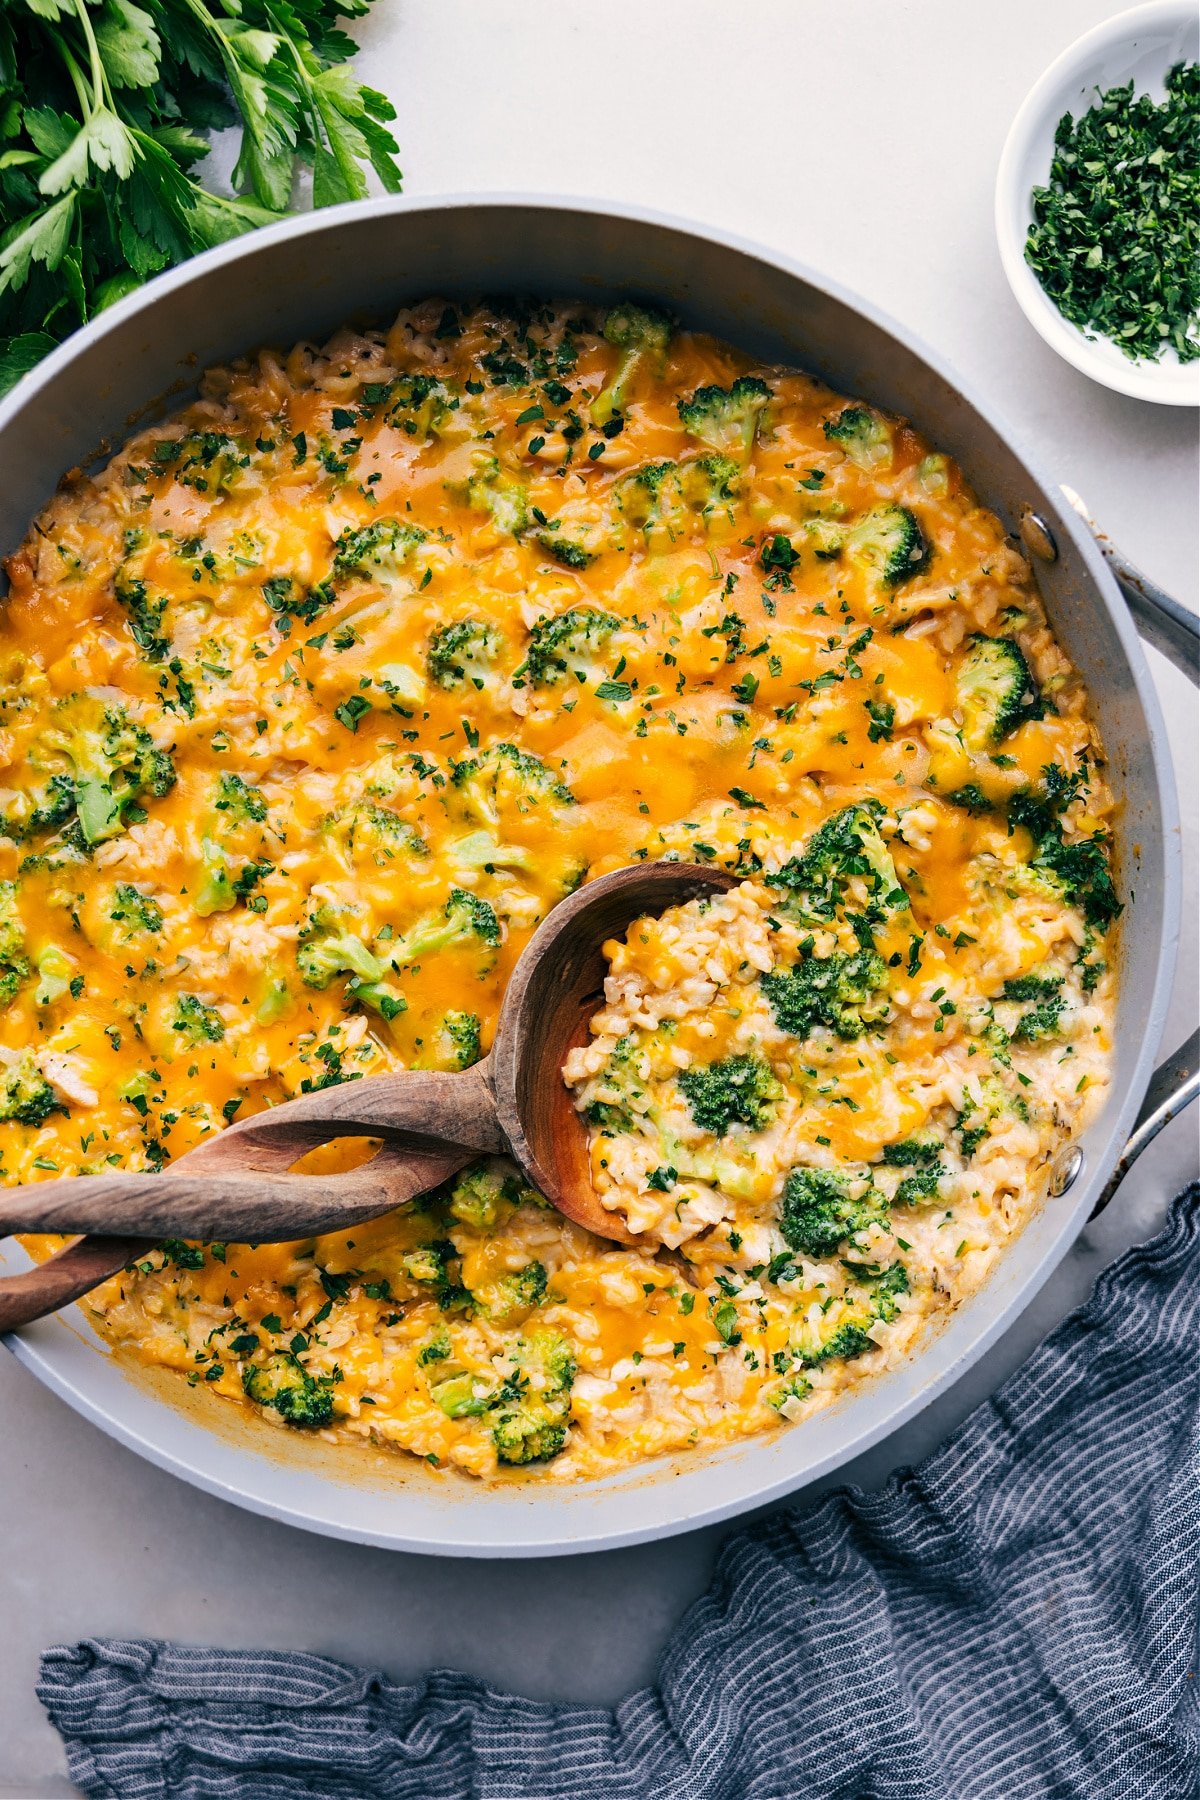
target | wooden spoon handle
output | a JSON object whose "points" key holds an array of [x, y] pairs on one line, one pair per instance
{"points": [[423, 1109], [432, 1123], [248, 1208], [66, 1275]]}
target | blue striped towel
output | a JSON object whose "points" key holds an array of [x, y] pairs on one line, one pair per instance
{"points": [[1014, 1620]]}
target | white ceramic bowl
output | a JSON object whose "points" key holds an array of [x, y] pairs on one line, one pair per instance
{"points": [[1140, 46]]}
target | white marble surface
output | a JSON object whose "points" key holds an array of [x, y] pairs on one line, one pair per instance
{"points": [[864, 138]]}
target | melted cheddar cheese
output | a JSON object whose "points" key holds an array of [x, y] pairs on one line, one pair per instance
{"points": [[316, 699]]}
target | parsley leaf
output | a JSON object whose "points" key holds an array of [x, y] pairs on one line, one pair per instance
{"points": [[107, 105]]}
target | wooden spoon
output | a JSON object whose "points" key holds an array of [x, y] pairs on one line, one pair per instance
{"points": [[240, 1186]]}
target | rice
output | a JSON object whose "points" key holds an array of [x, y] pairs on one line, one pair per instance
{"points": [[252, 792]]}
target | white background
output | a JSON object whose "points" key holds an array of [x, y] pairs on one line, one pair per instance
{"points": [[861, 136]]}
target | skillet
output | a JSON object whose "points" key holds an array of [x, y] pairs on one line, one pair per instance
{"points": [[302, 279]]}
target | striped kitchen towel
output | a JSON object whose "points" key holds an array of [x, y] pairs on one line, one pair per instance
{"points": [[1014, 1620]]}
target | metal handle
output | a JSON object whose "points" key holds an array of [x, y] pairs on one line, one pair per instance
{"points": [[1173, 1086], [1172, 629], [1175, 631]]}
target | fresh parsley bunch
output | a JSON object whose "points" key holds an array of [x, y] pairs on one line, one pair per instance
{"points": [[105, 107]]}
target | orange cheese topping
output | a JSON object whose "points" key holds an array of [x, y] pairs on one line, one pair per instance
{"points": [[270, 687]]}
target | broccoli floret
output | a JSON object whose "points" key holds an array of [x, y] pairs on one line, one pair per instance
{"points": [[458, 1040], [14, 966], [863, 435], [276, 1000], [217, 891], [431, 1265], [25, 1094], [840, 992], [816, 1213], [1035, 984], [55, 970], [328, 950], [923, 1184], [135, 910], [114, 762], [627, 1101], [436, 1350], [534, 1407], [55, 808], [135, 767], [428, 1263], [528, 1433], [198, 1023], [462, 652], [726, 419], [12, 976], [708, 483], [368, 831], [464, 1396], [653, 495], [145, 616], [477, 1198], [482, 1195], [847, 846], [912, 1153], [209, 461], [1078, 873], [549, 1360], [889, 541], [568, 551], [465, 918], [241, 803], [506, 501], [519, 1293], [1044, 1018], [321, 958], [796, 1387], [568, 645], [378, 549], [644, 495], [419, 405], [886, 1291], [827, 537], [739, 1089], [849, 1340], [282, 1382], [505, 778], [994, 690], [971, 798], [640, 334], [974, 1123], [923, 1157]]}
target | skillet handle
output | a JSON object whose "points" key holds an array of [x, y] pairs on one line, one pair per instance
{"points": [[1174, 630], [1173, 1086]]}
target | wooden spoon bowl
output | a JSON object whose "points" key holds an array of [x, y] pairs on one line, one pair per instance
{"points": [[242, 1185], [556, 988]]}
